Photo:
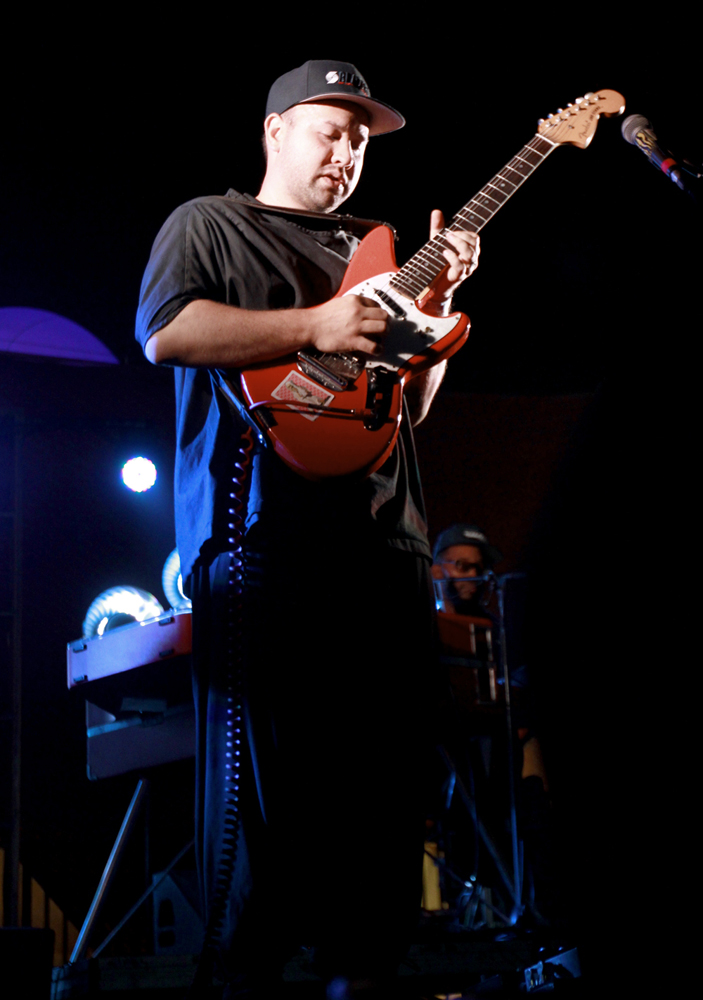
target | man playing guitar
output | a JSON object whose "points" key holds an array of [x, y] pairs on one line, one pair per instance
{"points": [[313, 715]]}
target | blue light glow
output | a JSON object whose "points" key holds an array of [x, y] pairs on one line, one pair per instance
{"points": [[118, 605], [139, 474], [172, 582]]}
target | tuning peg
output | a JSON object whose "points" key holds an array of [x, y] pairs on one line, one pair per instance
{"points": [[560, 111], [590, 97], [578, 100]]}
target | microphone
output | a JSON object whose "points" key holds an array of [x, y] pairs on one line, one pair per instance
{"points": [[638, 131]]}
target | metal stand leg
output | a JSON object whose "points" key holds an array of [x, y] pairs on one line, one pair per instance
{"points": [[503, 870], [110, 869], [144, 896], [514, 838]]}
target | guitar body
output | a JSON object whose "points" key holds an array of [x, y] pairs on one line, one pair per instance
{"points": [[321, 431]]}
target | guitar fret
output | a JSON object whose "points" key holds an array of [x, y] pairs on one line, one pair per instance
{"points": [[503, 186], [434, 249], [427, 268], [408, 287], [433, 245], [431, 265], [517, 170], [541, 145], [401, 283], [429, 261], [426, 271], [522, 166], [476, 209], [511, 176], [431, 254], [488, 201], [426, 274], [532, 157]]}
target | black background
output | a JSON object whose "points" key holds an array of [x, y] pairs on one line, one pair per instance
{"points": [[102, 143], [588, 277]]}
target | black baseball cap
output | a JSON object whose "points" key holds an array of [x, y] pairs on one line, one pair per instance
{"points": [[467, 534], [322, 79]]}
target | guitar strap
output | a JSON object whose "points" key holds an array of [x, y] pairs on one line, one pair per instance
{"points": [[233, 397]]}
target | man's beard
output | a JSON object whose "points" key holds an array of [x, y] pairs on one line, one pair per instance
{"points": [[319, 196]]}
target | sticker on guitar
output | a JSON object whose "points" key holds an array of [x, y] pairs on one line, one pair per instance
{"points": [[295, 388]]}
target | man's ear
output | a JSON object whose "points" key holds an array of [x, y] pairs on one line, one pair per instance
{"points": [[273, 125]]}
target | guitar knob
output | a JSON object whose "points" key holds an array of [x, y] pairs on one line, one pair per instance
{"points": [[578, 100], [590, 97], [560, 111], [540, 121]]}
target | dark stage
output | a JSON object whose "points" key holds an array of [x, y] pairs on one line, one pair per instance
{"points": [[566, 428]]}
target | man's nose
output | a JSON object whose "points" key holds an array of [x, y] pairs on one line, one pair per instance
{"points": [[343, 153]]}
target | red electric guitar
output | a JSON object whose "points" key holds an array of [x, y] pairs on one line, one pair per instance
{"points": [[339, 414]]}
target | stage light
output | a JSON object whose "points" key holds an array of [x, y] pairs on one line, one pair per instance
{"points": [[119, 606], [172, 583], [139, 474]]}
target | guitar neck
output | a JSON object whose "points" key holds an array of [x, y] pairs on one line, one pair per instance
{"points": [[414, 277]]}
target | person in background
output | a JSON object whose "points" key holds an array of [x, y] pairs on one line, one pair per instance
{"points": [[460, 552], [463, 553]]}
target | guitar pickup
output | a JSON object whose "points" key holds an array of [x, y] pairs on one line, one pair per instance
{"points": [[397, 310], [333, 371], [320, 373]]}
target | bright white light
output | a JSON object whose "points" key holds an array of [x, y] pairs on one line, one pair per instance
{"points": [[137, 604], [131, 601], [139, 474]]}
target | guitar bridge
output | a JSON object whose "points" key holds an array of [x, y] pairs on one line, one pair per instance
{"points": [[332, 371]]}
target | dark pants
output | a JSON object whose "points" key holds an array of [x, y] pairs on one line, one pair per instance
{"points": [[338, 686]]}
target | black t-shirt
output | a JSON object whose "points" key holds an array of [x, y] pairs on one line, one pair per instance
{"points": [[234, 250]]}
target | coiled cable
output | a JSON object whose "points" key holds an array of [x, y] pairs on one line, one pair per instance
{"points": [[234, 720]]}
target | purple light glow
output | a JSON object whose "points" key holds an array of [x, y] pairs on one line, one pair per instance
{"points": [[38, 332]]}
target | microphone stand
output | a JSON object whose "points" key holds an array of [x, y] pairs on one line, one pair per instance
{"points": [[497, 585], [499, 589]]}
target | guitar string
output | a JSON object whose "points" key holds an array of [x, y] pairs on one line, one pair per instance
{"points": [[421, 269]]}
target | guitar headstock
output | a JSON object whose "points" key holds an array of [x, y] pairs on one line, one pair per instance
{"points": [[576, 123]]}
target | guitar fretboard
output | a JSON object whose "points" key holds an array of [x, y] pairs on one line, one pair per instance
{"points": [[429, 261]]}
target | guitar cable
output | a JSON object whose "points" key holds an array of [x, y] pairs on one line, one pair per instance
{"points": [[234, 724]]}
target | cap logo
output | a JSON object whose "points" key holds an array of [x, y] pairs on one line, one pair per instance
{"points": [[474, 534], [347, 79]]}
